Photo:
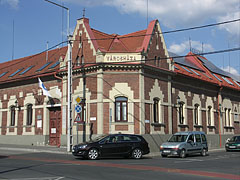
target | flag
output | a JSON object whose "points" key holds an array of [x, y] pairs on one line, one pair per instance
{"points": [[44, 89]]}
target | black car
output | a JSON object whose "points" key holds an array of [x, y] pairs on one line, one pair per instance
{"points": [[233, 144], [125, 145]]}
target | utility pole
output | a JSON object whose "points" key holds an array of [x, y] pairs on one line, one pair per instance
{"points": [[69, 58]]}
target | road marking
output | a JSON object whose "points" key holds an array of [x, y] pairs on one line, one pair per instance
{"points": [[135, 167], [40, 178]]}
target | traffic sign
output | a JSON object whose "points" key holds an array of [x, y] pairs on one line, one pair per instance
{"points": [[78, 99], [78, 108], [78, 118]]}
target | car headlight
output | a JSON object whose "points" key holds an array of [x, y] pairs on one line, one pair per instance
{"points": [[82, 146], [227, 145]]}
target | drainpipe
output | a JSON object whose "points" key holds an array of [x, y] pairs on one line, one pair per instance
{"points": [[57, 77], [219, 118]]}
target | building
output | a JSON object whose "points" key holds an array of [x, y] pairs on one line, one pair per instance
{"points": [[129, 84]]}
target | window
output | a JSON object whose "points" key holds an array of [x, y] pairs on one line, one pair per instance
{"points": [[196, 114], [209, 117], [1, 75], [227, 80], [121, 109], [186, 69], [180, 113], [195, 72], [217, 77], [13, 74], [198, 137], [29, 114], [77, 61], [155, 60], [156, 110], [54, 65], [228, 117], [158, 61], [45, 65], [12, 123], [204, 139], [26, 70]]}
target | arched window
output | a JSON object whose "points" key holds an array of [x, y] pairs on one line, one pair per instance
{"points": [[209, 116], [29, 114], [196, 114], [156, 110], [181, 113], [13, 115], [121, 109]]}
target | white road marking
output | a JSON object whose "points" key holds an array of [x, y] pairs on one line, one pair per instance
{"points": [[40, 178]]}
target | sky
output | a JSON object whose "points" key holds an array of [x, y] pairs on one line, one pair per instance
{"points": [[27, 26]]}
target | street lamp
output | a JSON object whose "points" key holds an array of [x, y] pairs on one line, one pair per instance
{"points": [[69, 55]]}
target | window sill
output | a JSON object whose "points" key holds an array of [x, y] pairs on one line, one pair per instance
{"points": [[211, 127], [229, 127], [198, 126], [183, 125], [158, 124]]}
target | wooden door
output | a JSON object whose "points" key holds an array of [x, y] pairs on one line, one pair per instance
{"points": [[55, 126]]}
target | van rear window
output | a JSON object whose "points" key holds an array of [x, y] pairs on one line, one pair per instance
{"points": [[204, 139]]}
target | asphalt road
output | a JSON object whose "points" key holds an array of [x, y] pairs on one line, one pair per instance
{"points": [[47, 166]]}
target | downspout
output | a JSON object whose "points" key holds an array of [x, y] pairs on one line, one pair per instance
{"points": [[219, 118], [57, 77]]}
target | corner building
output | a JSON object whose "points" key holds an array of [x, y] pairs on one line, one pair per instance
{"points": [[132, 85]]}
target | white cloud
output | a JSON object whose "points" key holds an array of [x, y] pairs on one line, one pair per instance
{"points": [[231, 70], [184, 47], [172, 13], [12, 3], [232, 28]]}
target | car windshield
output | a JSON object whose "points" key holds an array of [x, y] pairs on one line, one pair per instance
{"points": [[98, 138], [178, 138], [235, 139]]}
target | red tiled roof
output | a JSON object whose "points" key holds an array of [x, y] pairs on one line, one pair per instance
{"points": [[133, 42], [203, 73], [36, 61]]}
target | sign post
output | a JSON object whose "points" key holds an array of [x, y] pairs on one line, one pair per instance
{"points": [[78, 110]]}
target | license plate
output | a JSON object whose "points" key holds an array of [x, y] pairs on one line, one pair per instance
{"points": [[232, 146], [166, 151]]}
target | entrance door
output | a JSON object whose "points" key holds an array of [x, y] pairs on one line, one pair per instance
{"points": [[55, 126]]}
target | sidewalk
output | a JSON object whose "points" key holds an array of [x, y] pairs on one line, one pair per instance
{"points": [[61, 150]]}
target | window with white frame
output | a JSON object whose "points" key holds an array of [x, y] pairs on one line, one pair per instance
{"points": [[13, 116], [196, 114], [156, 110], [29, 114], [181, 113], [121, 109], [228, 119], [209, 116]]}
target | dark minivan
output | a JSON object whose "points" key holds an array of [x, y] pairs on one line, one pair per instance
{"points": [[115, 145]]}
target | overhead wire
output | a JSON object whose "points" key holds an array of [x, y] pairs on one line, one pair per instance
{"points": [[166, 32]]}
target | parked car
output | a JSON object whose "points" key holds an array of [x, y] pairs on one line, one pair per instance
{"points": [[184, 143], [125, 145], [233, 144]]}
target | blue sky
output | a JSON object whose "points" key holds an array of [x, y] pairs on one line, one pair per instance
{"points": [[37, 22]]}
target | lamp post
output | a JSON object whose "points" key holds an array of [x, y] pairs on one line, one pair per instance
{"points": [[69, 57]]}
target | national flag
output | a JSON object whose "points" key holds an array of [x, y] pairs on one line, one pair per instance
{"points": [[44, 89]]}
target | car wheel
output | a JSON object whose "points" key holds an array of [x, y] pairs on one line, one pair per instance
{"points": [[182, 153], [204, 152], [93, 154], [163, 155], [137, 153]]}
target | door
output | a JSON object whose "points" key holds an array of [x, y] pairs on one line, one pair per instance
{"points": [[109, 147], [55, 126]]}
